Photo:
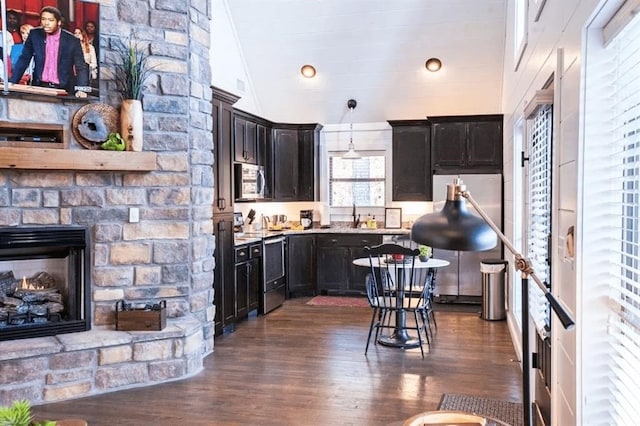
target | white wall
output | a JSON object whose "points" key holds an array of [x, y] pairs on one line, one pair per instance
{"points": [[228, 68], [554, 46]]}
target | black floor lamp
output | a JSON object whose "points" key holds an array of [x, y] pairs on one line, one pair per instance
{"points": [[454, 228]]}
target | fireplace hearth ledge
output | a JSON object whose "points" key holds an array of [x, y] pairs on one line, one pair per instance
{"points": [[74, 365], [93, 339]]}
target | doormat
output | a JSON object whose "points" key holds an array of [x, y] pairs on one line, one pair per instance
{"points": [[351, 302], [506, 411]]}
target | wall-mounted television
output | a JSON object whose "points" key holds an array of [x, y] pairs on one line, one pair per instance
{"points": [[80, 18]]}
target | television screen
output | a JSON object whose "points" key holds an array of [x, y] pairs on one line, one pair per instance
{"points": [[25, 61]]}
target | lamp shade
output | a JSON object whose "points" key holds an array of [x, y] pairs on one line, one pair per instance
{"points": [[454, 228]]}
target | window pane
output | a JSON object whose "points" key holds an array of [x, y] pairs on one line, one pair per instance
{"points": [[360, 182], [366, 194], [363, 168]]}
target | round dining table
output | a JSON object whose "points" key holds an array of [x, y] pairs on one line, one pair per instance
{"points": [[400, 337]]}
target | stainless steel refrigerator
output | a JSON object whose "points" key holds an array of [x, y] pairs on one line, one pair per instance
{"points": [[461, 281]]}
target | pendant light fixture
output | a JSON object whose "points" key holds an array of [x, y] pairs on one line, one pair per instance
{"points": [[351, 154]]}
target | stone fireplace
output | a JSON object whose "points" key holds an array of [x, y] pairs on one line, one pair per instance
{"points": [[44, 281], [164, 254]]}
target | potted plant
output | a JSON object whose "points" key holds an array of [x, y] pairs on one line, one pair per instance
{"points": [[19, 414], [425, 253], [131, 73]]}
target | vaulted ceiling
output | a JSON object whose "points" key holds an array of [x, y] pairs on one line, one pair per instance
{"points": [[373, 51]]}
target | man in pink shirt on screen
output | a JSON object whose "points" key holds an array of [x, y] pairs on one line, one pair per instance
{"points": [[58, 57]]}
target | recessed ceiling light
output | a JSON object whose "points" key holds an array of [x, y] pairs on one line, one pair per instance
{"points": [[433, 64], [308, 71]]}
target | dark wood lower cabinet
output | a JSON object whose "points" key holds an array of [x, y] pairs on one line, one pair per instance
{"points": [[254, 288], [224, 281], [333, 267], [248, 274], [301, 265], [336, 274]]}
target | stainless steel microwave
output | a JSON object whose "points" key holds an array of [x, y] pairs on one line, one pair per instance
{"points": [[249, 182]]}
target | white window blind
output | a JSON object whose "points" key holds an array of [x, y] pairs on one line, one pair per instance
{"points": [[360, 182], [610, 231], [539, 214]]}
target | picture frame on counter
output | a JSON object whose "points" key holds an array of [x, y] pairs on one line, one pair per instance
{"points": [[393, 217]]}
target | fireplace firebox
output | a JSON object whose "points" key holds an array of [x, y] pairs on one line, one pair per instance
{"points": [[44, 281]]}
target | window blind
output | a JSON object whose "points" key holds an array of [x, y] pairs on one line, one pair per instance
{"points": [[360, 182], [610, 231], [539, 217]]}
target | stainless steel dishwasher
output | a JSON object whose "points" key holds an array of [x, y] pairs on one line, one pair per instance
{"points": [[273, 272]]}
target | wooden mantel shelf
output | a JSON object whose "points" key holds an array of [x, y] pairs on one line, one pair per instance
{"points": [[66, 159]]}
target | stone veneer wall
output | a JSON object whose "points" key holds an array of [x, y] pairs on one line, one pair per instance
{"points": [[167, 255]]}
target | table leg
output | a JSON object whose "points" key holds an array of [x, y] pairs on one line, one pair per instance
{"points": [[400, 338]]}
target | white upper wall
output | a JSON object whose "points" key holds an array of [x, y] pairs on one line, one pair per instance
{"points": [[228, 67]]}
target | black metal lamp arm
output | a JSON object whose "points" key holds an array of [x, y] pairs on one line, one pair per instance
{"points": [[524, 266]]}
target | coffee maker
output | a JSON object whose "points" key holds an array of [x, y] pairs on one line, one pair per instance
{"points": [[306, 219]]}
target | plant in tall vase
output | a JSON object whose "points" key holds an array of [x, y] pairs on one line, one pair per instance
{"points": [[131, 73]]}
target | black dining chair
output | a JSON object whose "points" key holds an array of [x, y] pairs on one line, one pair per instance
{"points": [[395, 289]]}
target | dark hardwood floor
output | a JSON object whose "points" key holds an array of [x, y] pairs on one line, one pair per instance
{"points": [[305, 365]]}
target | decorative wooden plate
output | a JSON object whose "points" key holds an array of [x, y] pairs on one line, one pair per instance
{"points": [[109, 115]]}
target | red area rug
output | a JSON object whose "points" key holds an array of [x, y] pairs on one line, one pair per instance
{"points": [[351, 302]]}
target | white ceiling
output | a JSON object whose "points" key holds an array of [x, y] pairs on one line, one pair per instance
{"points": [[374, 52]]}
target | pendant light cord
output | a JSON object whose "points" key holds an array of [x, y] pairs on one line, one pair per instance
{"points": [[351, 129]]}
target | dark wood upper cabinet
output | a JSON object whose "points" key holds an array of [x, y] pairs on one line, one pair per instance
{"points": [[295, 161], [251, 142], [466, 144], [485, 144], [411, 162], [250, 138], [449, 144], [223, 150], [245, 140], [308, 162], [285, 164]]}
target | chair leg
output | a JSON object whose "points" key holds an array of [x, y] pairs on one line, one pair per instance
{"points": [[426, 325], [380, 323], [415, 316], [385, 322], [428, 312], [433, 313], [433, 317], [375, 324]]}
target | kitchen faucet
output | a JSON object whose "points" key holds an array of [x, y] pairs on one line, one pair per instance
{"points": [[356, 220]]}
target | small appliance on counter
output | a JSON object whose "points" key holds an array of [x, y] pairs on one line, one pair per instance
{"points": [[306, 218], [325, 216]]}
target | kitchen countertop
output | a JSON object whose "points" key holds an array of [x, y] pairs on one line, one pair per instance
{"points": [[254, 237]]}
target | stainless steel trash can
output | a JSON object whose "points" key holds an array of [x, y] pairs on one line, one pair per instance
{"points": [[493, 294]]}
